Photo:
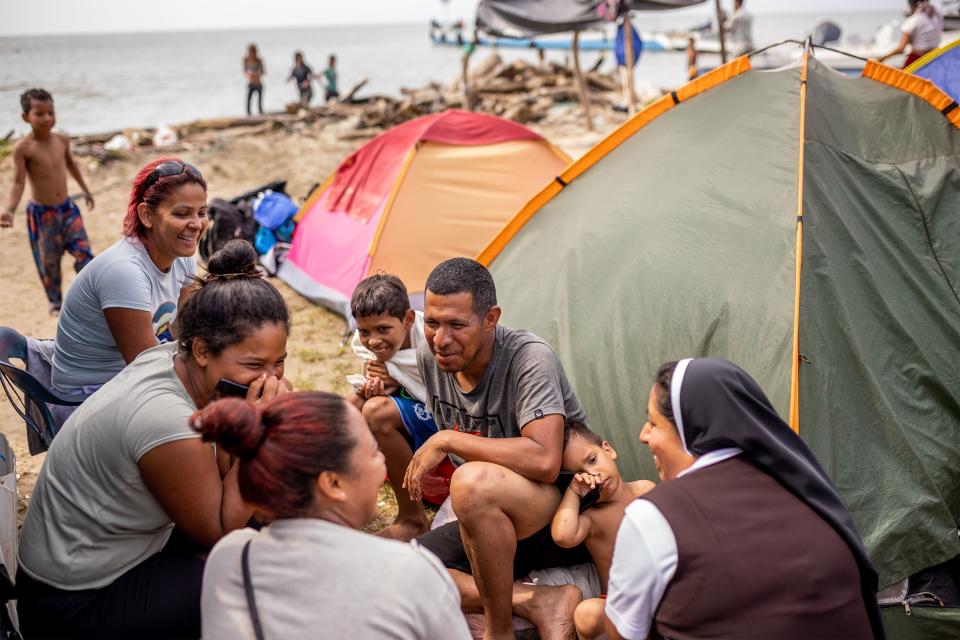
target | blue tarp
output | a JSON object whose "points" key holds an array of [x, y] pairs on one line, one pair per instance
{"points": [[274, 209], [619, 48], [942, 70]]}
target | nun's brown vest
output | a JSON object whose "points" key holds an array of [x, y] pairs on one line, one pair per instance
{"points": [[753, 561]]}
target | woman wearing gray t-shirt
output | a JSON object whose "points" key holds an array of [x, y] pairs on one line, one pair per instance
{"points": [[129, 499], [125, 301], [309, 464]]}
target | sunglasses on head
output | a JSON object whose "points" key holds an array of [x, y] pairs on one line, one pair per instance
{"points": [[171, 168]]}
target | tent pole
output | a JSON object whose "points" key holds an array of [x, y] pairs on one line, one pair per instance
{"points": [[581, 84], [465, 71], [628, 55], [723, 41]]}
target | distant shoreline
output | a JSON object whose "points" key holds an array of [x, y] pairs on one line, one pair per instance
{"points": [[131, 80], [700, 11]]}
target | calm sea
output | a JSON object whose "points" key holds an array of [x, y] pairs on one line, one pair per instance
{"points": [[106, 82]]}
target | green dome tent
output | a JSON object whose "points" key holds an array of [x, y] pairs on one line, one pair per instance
{"points": [[801, 223]]}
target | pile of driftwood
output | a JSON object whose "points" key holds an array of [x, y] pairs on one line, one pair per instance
{"points": [[526, 92], [519, 90], [189, 136]]}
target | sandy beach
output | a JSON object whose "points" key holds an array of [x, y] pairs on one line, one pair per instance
{"points": [[232, 164], [705, 331]]}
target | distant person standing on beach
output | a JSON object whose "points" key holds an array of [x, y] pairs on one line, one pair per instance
{"points": [[740, 29], [303, 74], [254, 69], [921, 32], [53, 219], [330, 77], [692, 70]]}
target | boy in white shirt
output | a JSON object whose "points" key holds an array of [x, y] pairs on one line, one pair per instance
{"points": [[391, 395]]}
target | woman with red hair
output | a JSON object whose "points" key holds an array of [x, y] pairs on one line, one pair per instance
{"points": [[125, 301], [309, 465]]}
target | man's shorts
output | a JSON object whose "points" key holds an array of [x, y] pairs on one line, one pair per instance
{"points": [[539, 551], [416, 419]]}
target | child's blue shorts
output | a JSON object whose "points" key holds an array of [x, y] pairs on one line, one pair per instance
{"points": [[417, 420]]}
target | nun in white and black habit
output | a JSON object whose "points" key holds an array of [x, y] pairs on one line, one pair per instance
{"points": [[746, 536]]}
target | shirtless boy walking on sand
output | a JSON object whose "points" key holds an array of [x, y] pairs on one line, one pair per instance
{"points": [[53, 220], [594, 460]]}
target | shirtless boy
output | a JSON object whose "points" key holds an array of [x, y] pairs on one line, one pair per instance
{"points": [[594, 461], [53, 220]]}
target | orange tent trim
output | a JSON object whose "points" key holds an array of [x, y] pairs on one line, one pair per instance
{"points": [[920, 87], [306, 206], [704, 83]]}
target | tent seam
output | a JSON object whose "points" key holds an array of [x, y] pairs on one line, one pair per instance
{"points": [[926, 232], [954, 156], [913, 195]]}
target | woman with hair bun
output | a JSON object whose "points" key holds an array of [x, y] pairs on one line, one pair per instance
{"points": [[129, 498], [309, 464], [125, 301]]}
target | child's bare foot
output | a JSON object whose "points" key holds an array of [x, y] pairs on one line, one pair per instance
{"points": [[405, 529], [551, 609]]}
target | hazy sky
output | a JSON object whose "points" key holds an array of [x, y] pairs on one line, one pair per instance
{"points": [[25, 17]]}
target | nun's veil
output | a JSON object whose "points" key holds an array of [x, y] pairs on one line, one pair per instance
{"points": [[717, 405]]}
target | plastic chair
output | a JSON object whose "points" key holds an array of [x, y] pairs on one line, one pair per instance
{"points": [[28, 395]]}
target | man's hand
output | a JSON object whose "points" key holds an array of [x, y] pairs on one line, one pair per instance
{"points": [[584, 483], [6, 219], [88, 199], [427, 458]]}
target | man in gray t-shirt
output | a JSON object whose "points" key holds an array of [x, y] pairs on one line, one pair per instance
{"points": [[500, 398], [524, 381]]}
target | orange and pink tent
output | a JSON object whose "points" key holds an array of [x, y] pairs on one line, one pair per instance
{"points": [[440, 186]]}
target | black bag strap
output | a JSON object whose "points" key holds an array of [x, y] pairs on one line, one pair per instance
{"points": [[7, 593], [248, 588]]}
